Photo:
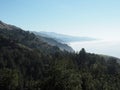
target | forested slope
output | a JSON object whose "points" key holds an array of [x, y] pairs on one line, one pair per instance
{"points": [[26, 63]]}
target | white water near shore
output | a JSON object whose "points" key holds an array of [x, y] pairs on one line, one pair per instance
{"points": [[106, 47]]}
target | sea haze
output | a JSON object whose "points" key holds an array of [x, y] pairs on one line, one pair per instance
{"points": [[106, 47]]}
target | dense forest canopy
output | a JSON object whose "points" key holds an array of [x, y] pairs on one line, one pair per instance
{"points": [[26, 63]]}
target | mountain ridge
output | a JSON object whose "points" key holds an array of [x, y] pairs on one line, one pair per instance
{"points": [[63, 38], [7, 26], [29, 39]]}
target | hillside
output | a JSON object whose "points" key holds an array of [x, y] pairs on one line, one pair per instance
{"points": [[31, 40], [24, 69], [28, 63], [54, 42], [7, 26]]}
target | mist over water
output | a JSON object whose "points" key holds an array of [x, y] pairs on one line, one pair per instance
{"points": [[106, 47]]}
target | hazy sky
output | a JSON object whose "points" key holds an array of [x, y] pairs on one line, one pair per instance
{"points": [[95, 18]]}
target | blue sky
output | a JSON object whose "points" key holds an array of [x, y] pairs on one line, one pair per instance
{"points": [[94, 18]]}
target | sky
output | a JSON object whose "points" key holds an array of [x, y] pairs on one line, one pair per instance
{"points": [[92, 18]]}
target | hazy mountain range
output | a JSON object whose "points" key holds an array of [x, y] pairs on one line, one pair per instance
{"points": [[30, 39], [63, 38]]}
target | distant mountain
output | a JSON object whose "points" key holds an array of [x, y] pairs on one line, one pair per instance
{"points": [[63, 38], [31, 40], [54, 42]]}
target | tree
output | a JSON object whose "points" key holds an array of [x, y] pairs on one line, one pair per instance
{"points": [[9, 79]]}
